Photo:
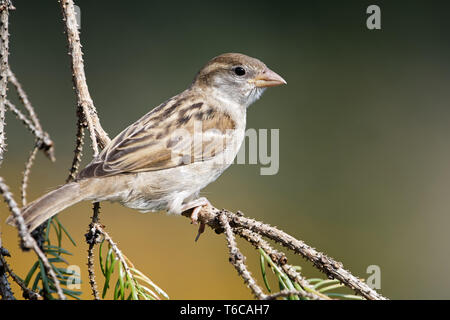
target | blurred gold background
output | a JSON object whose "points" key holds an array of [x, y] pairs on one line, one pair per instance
{"points": [[364, 132]]}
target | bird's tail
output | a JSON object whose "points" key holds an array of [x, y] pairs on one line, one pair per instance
{"points": [[53, 202]]}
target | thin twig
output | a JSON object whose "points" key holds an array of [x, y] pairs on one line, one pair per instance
{"points": [[92, 238], [5, 6], [237, 259], [27, 293], [24, 99], [43, 140], [6, 292], [280, 260], [25, 238], [98, 136], [78, 151], [27, 241], [5, 288], [283, 293], [26, 175], [116, 250]]}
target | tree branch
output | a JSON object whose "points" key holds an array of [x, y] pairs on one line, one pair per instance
{"points": [[5, 6], [237, 259], [78, 151], [27, 293], [43, 140], [5, 288], [98, 136], [92, 238], [211, 216], [280, 260], [26, 175], [27, 241]]}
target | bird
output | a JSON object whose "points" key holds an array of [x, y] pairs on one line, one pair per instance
{"points": [[162, 161]]}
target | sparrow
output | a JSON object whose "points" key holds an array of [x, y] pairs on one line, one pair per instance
{"points": [[164, 159]]}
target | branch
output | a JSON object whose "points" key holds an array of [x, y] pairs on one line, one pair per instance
{"points": [[87, 117], [45, 143], [98, 136], [78, 151], [280, 260], [237, 259], [211, 216], [5, 6], [5, 289], [43, 140], [283, 293], [27, 293], [92, 238], [24, 99], [119, 255], [26, 175], [27, 241]]}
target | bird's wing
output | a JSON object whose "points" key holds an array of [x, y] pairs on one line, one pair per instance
{"points": [[183, 130]]}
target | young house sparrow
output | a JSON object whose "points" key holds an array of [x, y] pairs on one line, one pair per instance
{"points": [[163, 160]]}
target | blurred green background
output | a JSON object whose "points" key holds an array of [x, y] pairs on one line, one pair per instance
{"points": [[364, 131]]}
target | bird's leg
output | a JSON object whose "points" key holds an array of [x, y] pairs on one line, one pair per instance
{"points": [[197, 204]]}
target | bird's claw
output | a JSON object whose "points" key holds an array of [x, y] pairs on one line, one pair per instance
{"points": [[197, 204]]}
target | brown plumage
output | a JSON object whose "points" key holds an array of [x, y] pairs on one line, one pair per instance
{"points": [[153, 135], [164, 159]]}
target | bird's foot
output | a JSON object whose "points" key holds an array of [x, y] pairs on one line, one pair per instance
{"points": [[197, 205]]}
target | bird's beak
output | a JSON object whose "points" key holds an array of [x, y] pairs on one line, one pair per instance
{"points": [[267, 78]]}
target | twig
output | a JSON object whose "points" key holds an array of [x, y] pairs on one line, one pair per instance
{"points": [[333, 269], [26, 175], [116, 250], [43, 140], [27, 293], [92, 237], [280, 259], [5, 289], [283, 293], [5, 6], [326, 264], [237, 259], [25, 238], [98, 136], [78, 151], [24, 99], [27, 241]]}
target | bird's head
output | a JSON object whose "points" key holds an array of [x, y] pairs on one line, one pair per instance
{"points": [[237, 77]]}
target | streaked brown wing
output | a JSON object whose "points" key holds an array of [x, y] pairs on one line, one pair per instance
{"points": [[164, 138]]}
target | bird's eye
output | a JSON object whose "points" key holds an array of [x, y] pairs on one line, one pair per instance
{"points": [[239, 71]]}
